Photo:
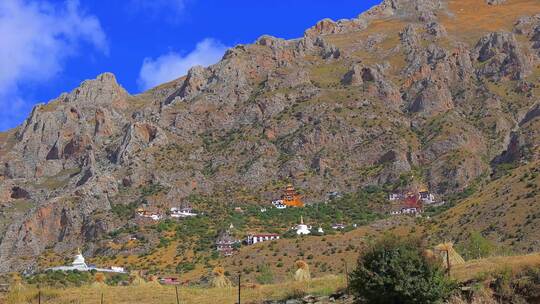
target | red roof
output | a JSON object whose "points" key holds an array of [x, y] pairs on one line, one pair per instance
{"points": [[412, 202], [264, 234]]}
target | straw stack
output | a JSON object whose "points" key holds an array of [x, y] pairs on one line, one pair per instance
{"points": [[302, 273], [153, 281], [17, 290], [99, 281], [448, 249], [220, 280], [135, 279]]}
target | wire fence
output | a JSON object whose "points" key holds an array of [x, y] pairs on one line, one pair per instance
{"points": [[171, 294]]}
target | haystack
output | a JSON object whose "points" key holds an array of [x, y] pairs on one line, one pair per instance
{"points": [[17, 284], [17, 291], [99, 281], [153, 281], [99, 277], [135, 279], [220, 280], [448, 248], [302, 273]]}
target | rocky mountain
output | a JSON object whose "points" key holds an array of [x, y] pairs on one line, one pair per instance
{"points": [[443, 90]]}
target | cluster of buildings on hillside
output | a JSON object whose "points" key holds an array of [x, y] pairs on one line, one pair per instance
{"points": [[183, 211], [403, 202], [289, 198], [406, 202], [412, 201], [226, 242]]}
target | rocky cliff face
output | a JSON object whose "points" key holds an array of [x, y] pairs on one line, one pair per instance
{"points": [[409, 85]]}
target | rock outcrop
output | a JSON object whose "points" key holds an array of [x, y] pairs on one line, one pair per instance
{"points": [[501, 57], [495, 2]]}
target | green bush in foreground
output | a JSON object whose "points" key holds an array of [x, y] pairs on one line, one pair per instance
{"points": [[396, 271]]}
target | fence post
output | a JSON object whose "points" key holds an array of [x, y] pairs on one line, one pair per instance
{"points": [[177, 298], [448, 261], [39, 296], [239, 287], [101, 302], [347, 276]]}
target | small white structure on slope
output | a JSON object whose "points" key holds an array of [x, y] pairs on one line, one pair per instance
{"points": [[279, 204], [79, 264], [263, 237], [303, 229], [426, 196], [182, 212], [148, 214], [339, 226]]}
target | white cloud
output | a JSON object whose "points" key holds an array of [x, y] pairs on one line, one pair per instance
{"points": [[173, 65], [35, 39]]}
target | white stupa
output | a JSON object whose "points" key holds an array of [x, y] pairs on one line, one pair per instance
{"points": [[79, 264], [302, 229]]}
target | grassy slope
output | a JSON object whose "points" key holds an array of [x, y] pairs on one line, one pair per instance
{"points": [[506, 211], [473, 18], [325, 254], [475, 268]]}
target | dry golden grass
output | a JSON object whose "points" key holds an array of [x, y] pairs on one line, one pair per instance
{"points": [[166, 294], [327, 75], [164, 259], [155, 293], [504, 211], [385, 26], [325, 254], [474, 18], [474, 268], [49, 107]]}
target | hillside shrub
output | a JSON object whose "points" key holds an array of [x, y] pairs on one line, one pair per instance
{"points": [[124, 210], [117, 279], [477, 247], [265, 276], [396, 271], [185, 267]]}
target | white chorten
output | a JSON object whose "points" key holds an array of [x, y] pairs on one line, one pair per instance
{"points": [[79, 262], [302, 229]]}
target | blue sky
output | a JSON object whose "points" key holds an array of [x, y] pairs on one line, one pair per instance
{"points": [[49, 46]]}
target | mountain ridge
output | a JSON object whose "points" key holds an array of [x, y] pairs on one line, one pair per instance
{"points": [[398, 91]]}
